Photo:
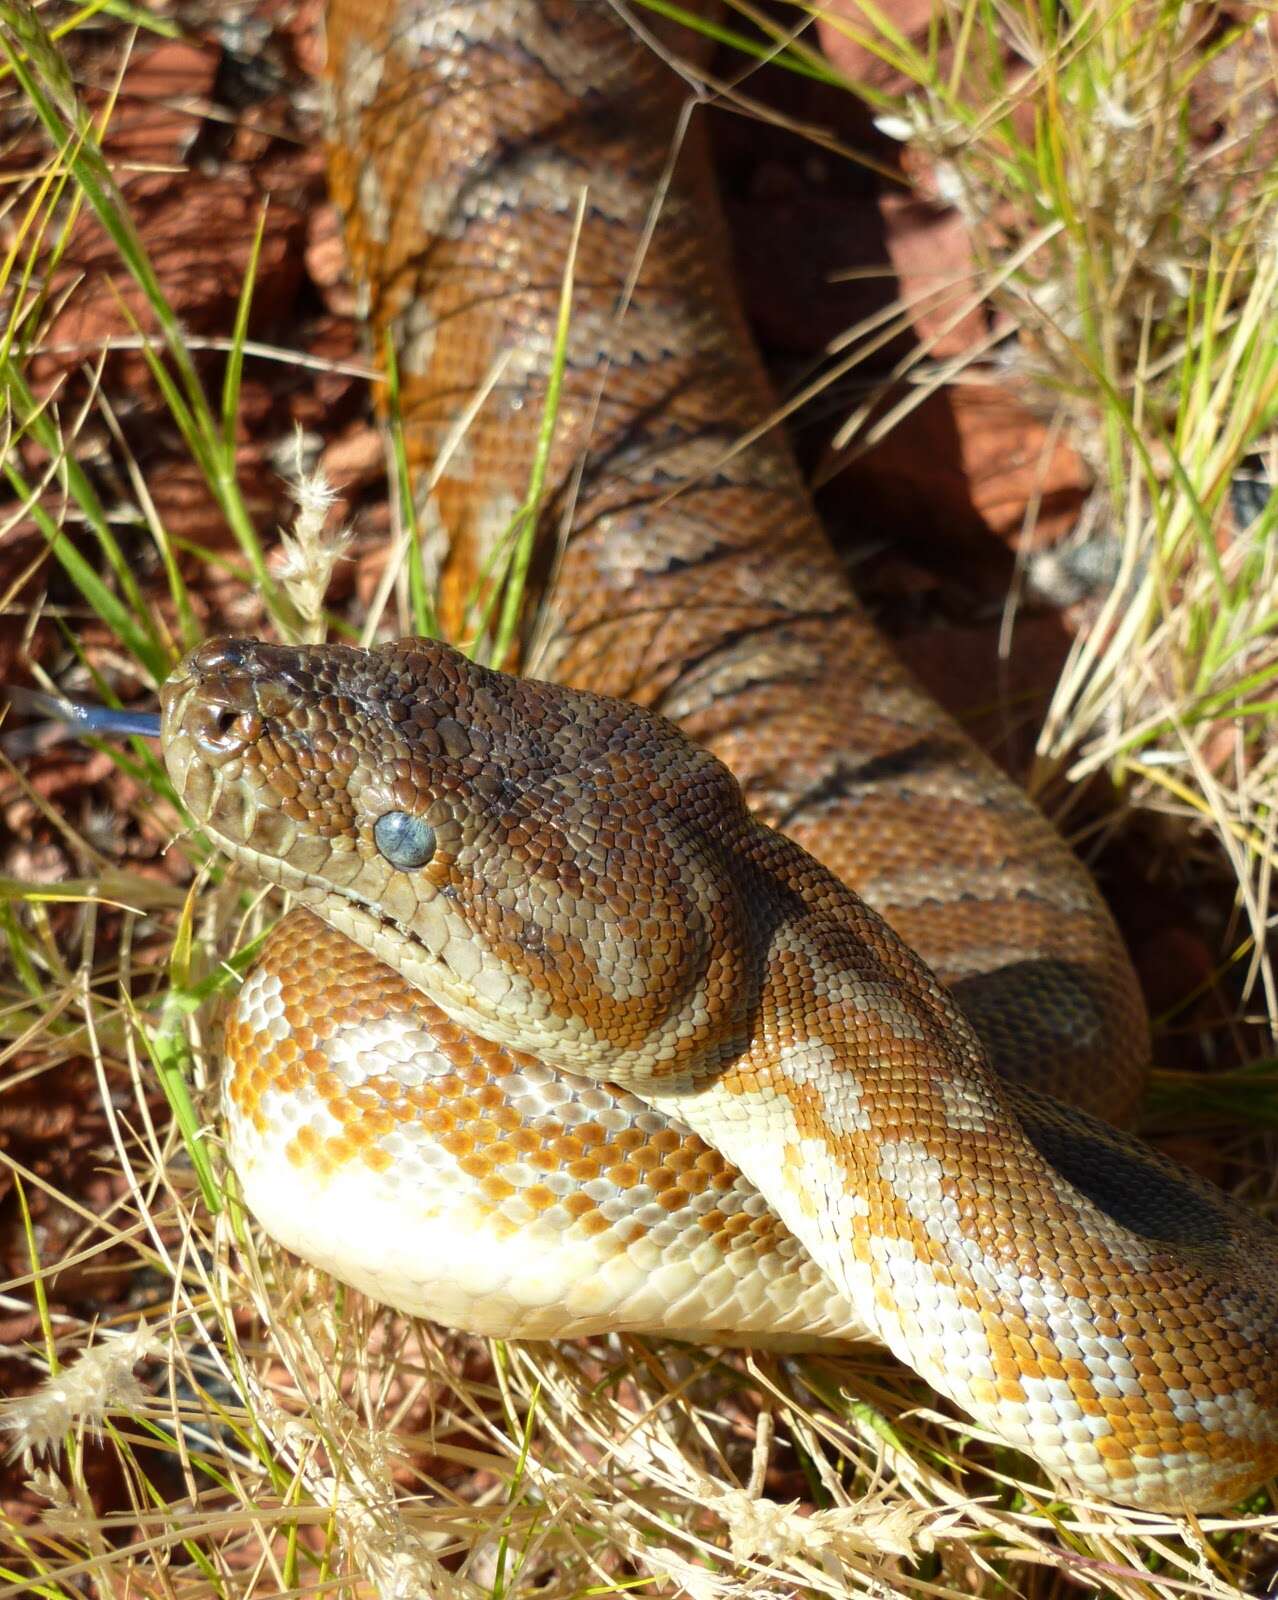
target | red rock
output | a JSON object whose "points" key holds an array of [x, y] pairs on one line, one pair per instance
{"points": [[961, 467], [355, 458], [187, 509], [175, 220], [161, 104], [811, 266], [307, 34], [1001, 703], [1171, 963], [325, 250], [848, 38], [931, 253]]}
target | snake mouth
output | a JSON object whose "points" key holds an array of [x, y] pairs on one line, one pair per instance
{"points": [[256, 833], [204, 745], [227, 712], [366, 923], [430, 951], [433, 961]]}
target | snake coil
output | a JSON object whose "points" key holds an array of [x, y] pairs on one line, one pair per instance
{"points": [[577, 1028]]}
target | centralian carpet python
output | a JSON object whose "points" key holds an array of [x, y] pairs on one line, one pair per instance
{"points": [[580, 1024]]}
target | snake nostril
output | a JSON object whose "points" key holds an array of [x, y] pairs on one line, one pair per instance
{"points": [[223, 730]]}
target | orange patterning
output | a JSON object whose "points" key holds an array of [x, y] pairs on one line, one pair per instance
{"points": [[593, 1032], [586, 1038]]}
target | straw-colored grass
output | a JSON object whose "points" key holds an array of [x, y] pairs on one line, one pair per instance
{"points": [[1130, 256], [251, 1428]]}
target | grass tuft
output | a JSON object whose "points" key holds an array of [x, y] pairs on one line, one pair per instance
{"points": [[1118, 172]]}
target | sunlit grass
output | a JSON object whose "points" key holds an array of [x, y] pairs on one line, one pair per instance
{"points": [[1131, 261]]}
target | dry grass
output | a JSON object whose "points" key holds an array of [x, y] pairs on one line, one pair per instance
{"points": [[227, 1424], [1118, 170]]}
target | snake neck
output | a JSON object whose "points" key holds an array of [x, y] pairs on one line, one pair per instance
{"points": [[591, 885]]}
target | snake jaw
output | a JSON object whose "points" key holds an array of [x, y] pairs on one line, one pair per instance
{"points": [[579, 909]]}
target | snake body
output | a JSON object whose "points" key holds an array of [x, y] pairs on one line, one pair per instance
{"points": [[623, 1048]]}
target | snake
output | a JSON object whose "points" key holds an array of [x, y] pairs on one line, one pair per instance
{"points": [[701, 978]]}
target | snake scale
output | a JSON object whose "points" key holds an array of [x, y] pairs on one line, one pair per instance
{"points": [[579, 1023]]}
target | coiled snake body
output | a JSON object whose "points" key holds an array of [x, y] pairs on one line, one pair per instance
{"points": [[567, 1037]]}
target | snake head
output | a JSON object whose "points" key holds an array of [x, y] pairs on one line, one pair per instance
{"points": [[547, 865]]}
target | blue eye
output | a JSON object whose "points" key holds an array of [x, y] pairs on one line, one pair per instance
{"points": [[405, 841]]}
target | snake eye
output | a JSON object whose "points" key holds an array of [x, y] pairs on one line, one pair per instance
{"points": [[404, 840]]}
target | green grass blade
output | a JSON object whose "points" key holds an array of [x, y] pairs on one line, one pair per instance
{"points": [[526, 518]]}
